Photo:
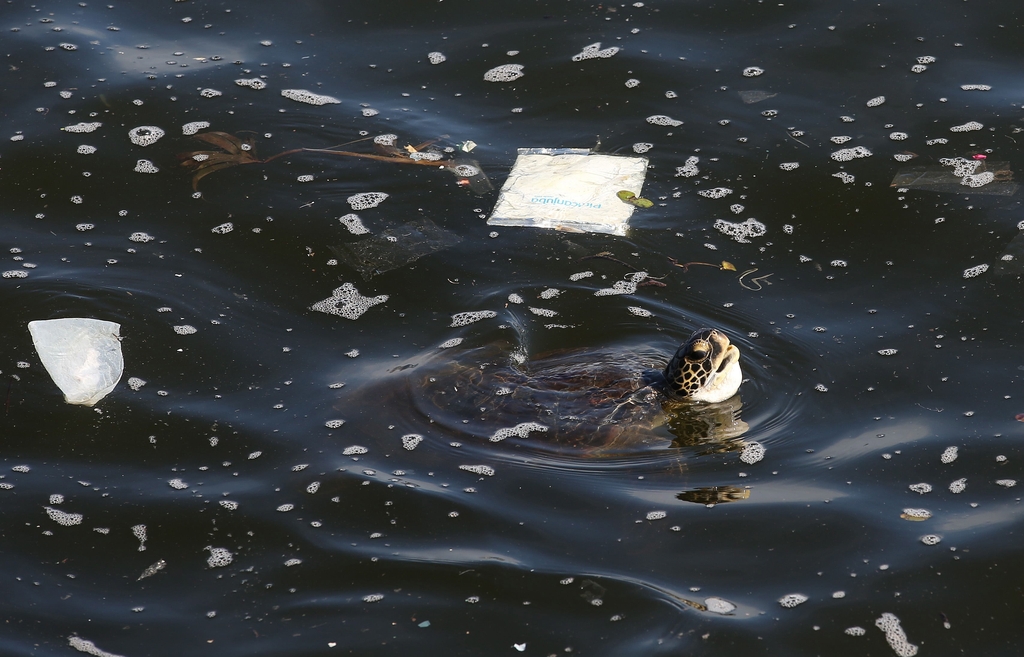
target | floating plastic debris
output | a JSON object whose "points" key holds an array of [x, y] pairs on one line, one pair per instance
{"points": [[308, 97], [569, 189], [504, 73], [347, 302], [485, 470], [153, 570], [755, 96], [719, 606], [82, 356], [394, 247]]}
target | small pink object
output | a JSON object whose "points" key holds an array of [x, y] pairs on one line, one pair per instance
{"points": [[979, 156]]}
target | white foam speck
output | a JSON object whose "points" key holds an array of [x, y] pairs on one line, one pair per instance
{"points": [[308, 97], [791, 600], [462, 319], [145, 135], [347, 302], [522, 430], [504, 73]]}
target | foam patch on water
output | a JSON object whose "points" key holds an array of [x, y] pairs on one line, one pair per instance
{"points": [[627, 286], [579, 276], [543, 312], [366, 200], [741, 232], [504, 73], [522, 430], [752, 452], [876, 101], [661, 119], [253, 83], [145, 166], [193, 127], [448, 344], [83, 127], [791, 600], [462, 319], [752, 71], [594, 51], [715, 192], [958, 486], [970, 126], [411, 440], [145, 135], [847, 178], [85, 149], [689, 169], [88, 647], [949, 455], [347, 302], [63, 518], [847, 154], [895, 635], [975, 271], [308, 97], [436, 57], [354, 224], [219, 557]]}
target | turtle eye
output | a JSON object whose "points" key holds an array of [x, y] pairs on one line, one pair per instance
{"points": [[698, 354]]}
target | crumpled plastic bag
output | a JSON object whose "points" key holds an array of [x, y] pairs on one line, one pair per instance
{"points": [[82, 356], [569, 189]]}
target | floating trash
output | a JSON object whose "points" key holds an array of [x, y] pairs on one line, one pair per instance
{"points": [[392, 248], [82, 356], [569, 189]]}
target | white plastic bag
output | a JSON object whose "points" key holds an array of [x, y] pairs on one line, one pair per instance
{"points": [[82, 356], [569, 189]]}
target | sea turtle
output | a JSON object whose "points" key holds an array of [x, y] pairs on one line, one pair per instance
{"points": [[585, 400]]}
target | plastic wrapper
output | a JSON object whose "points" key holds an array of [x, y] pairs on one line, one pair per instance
{"points": [[569, 189], [942, 179], [395, 247], [82, 356]]}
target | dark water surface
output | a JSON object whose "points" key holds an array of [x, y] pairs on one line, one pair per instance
{"points": [[344, 541]]}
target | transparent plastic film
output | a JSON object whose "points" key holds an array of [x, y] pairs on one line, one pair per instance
{"points": [[82, 356]]}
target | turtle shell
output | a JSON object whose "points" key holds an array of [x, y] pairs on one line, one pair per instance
{"points": [[586, 401]]}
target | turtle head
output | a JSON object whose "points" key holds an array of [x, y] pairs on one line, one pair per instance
{"points": [[705, 368]]}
